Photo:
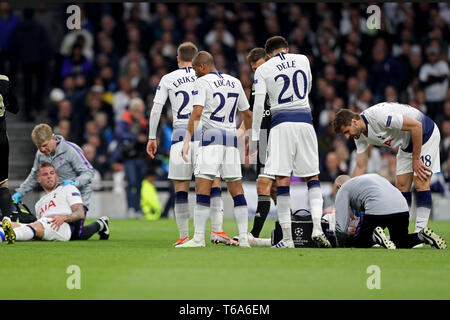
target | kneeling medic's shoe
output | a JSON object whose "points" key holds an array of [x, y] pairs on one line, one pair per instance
{"points": [[181, 240], [429, 237], [283, 244], [10, 235], [191, 244], [104, 231], [222, 237], [379, 237], [320, 239]]}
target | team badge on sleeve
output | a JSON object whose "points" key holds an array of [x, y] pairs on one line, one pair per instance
{"points": [[76, 194], [389, 120], [194, 92]]}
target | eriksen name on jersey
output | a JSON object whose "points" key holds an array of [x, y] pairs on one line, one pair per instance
{"points": [[183, 80]]}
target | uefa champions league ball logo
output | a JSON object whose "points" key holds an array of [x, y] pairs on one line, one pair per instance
{"points": [[298, 232]]}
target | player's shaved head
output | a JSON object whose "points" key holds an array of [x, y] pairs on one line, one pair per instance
{"points": [[205, 58], [340, 180]]}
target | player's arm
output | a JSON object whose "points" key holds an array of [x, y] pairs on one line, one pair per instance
{"points": [[76, 215], [342, 215], [158, 102], [258, 106], [83, 169], [361, 163], [194, 120], [9, 99], [415, 128]]}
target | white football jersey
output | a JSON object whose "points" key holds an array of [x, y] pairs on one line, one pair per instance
{"points": [[287, 79], [220, 95], [177, 86], [58, 202], [384, 126]]}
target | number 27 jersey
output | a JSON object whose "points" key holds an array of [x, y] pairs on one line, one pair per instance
{"points": [[220, 95], [286, 78]]}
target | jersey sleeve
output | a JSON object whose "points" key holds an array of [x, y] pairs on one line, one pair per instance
{"points": [[361, 145], [259, 83], [243, 102], [73, 195], [162, 92], [384, 117], [199, 93]]}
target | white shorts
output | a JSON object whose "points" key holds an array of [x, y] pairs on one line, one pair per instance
{"points": [[218, 160], [63, 234], [178, 168], [429, 155], [292, 148]]}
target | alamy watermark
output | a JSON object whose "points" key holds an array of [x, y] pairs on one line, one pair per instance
{"points": [[374, 20], [374, 280], [74, 280], [73, 22]]}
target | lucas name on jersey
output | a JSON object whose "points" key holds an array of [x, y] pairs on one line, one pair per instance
{"points": [[224, 83], [178, 82]]}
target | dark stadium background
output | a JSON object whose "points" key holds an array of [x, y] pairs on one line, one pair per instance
{"points": [[125, 48]]}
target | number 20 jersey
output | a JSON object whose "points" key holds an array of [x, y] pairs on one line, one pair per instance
{"points": [[286, 78]]}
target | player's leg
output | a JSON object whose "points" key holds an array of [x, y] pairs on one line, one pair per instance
{"points": [[21, 232], [203, 185], [398, 230], [5, 196], [404, 184], [264, 187], [182, 209], [306, 165], [240, 209], [180, 173], [424, 202], [284, 211], [216, 206]]}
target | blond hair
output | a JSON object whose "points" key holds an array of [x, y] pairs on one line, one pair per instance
{"points": [[41, 133], [186, 51]]}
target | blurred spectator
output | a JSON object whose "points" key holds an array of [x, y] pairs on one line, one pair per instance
{"points": [[90, 154], [150, 204], [8, 24], [434, 79], [386, 71], [33, 50], [132, 135], [332, 170]]}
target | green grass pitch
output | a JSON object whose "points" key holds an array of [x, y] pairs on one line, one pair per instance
{"points": [[139, 262]]}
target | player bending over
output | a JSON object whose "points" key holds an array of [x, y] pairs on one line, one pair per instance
{"points": [[379, 205], [292, 146], [178, 86], [395, 125], [217, 96], [58, 211]]}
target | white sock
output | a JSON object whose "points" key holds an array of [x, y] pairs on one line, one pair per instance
{"points": [[241, 214], [24, 233], [316, 204], [216, 214], [201, 215], [284, 215], [182, 218], [422, 215]]}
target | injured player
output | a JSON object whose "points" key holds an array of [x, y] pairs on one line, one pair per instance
{"points": [[56, 211]]}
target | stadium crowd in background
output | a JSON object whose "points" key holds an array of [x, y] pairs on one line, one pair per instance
{"points": [[122, 50]]}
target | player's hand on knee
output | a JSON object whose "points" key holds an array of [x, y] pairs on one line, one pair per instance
{"points": [[152, 146], [67, 182], [422, 171], [16, 197]]}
